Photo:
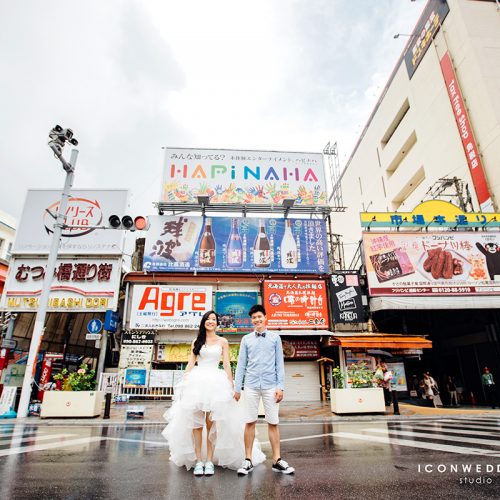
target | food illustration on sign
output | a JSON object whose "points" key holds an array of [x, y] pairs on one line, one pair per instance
{"points": [[390, 265], [438, 264], [288, 349]]}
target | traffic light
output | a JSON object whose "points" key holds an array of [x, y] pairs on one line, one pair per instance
{"points": [[139, 223]]}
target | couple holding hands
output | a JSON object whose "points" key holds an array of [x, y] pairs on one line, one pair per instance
{"points": [[206, 418]]}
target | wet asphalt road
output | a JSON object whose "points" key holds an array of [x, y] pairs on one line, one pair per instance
{"points": [[407, 459]]}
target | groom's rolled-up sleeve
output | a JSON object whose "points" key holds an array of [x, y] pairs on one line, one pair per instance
{"points": [[240, 368]]}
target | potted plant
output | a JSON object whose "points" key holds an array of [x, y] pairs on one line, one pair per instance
{"points": [[361, 396], [77, 397]]}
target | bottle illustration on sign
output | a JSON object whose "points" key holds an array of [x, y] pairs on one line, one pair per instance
{"points": [[234, 246], [261, 248], [288, 249], [206, 256]]}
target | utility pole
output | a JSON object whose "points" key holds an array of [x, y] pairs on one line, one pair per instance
{"points": [[58, 137]]}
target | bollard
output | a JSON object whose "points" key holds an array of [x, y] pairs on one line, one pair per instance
{"points": [[395, 403], [107, 405]]}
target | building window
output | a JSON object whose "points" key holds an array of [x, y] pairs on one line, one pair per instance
{"points": [[408, 189], [405, 107], [9, 252]]}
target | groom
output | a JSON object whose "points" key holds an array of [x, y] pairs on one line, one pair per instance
{"points": [[261, 363]]}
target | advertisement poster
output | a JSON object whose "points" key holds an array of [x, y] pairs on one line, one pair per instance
{"points": [[346, 297], [167, 307], [432, 264], [232, 176], [179, 353], [398, 381], [85, 209], [296, 304], [244, 244], [232, 308], [135, 377], [161, 378], [300, 349], [79, 285]]}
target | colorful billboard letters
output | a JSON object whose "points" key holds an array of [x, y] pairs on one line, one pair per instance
{"points": [[445, 263], [181, 243], [243, 177]]}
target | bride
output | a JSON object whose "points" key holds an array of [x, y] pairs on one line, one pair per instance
{"points": [[204, 419]]}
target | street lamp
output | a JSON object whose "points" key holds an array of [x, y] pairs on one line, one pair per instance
{"points": [[58, 139]]}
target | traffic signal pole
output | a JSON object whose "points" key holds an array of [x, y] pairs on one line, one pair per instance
{"points": [[41, 314]]}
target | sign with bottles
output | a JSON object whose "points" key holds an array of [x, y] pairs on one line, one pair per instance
{"points": [[218, 244], [236, 177], [297, 304], [232, 308]]}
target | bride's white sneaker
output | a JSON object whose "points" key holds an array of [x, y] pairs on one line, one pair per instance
{"points": [[209, 469], [198, 469], [246, 467]]}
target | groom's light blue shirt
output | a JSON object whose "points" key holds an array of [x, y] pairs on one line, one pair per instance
{"points": [[261, 362]]}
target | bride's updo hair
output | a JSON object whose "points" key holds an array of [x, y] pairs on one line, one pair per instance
{"points": [[202, 333]]}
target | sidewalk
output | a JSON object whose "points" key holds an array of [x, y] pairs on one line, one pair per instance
{"points": [[314, 411]]}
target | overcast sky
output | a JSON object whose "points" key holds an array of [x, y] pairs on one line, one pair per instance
{"points": [[130, 77]]}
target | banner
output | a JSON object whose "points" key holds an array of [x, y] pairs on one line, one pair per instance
{"points": [[232, 308], [236, 177], [445, 263], [296, 304], [300, 349], [223, 244], [79, 285], [466, 134], [428, 25], [179, 353], [346, 298], [85, 209], [163, 307]]}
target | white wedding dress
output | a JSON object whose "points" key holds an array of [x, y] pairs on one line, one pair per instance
{"points": [[206, 388]]}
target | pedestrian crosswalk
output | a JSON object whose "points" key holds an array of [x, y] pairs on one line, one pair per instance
{"points": [[15, 440], [465, 436]]}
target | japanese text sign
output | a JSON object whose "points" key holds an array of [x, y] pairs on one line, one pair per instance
{"points": [[444, 263], [168, 307], [297, 304], [85, 209], [223, 244], [345, 295], [84, 284], [235, 177]]}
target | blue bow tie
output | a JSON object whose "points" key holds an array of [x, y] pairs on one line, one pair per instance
{"points": [[257, 334]]}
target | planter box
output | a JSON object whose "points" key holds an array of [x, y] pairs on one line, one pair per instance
{"points": [[72, 404], [369, 400]]}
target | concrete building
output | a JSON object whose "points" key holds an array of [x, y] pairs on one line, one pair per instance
{"points": [[7, 236], [412, 139], [435, 134]]}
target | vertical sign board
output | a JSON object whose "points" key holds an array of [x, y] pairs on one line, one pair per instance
{"points": [[346, 298], [235, 177], [466, 134], [296, 304]]}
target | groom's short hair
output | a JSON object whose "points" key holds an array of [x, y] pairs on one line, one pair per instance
{"points": [[257, 308]]}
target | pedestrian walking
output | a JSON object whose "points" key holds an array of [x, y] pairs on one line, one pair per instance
{"points": [[452, 391], [489, 387], [261, 363]]}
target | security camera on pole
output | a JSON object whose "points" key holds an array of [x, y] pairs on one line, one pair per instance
{"points": [[58, 139]]}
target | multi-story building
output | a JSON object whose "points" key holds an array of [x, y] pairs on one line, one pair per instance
{"points": [[7, 236], [435, 133]]}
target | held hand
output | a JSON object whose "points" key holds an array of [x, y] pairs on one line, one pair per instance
{"points": [[278, 395], [237, 396]]}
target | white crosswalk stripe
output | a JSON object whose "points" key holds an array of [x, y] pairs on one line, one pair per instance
{"points": [[440, 435], [50, 446], [32, 437]]}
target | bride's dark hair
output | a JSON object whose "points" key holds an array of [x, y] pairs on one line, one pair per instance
{"points": [[202, 332]]}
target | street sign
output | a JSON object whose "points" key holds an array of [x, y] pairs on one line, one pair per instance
{"points": [[93, 336], [8, 344], [94, 326], [111, 321]]}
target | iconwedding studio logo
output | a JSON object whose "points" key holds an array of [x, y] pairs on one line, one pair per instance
{"points": [[466, 473]]}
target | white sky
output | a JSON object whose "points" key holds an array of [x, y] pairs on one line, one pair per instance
{"points": [[132, 76]]}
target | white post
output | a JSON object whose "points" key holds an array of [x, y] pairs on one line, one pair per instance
{"points": [[102, 354], [39, 327]]}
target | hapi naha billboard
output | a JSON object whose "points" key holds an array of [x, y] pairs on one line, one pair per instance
{"points": [[232, 176]]}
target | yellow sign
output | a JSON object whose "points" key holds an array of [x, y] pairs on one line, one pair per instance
{"points": [[179, 353], [433, 213]]}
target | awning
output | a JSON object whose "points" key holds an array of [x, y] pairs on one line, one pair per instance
{"points": [[381, 340], [424, 303]]}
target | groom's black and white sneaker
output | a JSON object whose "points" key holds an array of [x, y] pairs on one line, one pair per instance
{"points": [[245, 468], [281, 466]]}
